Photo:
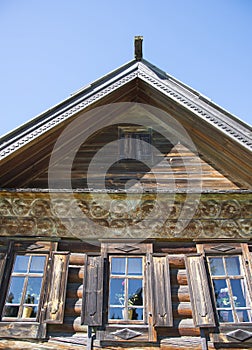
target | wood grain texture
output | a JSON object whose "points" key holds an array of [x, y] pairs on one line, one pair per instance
{"points": [[57, 288]]}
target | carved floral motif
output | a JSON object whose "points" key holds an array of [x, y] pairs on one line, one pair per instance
{"points": [[224, 216]]}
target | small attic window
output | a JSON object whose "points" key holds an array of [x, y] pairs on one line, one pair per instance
{"points": [[136, 142]]}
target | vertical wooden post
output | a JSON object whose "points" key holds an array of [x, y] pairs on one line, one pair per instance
{"points": [[203, 339], [90, 339]]}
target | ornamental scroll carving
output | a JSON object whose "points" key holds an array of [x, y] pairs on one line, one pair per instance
{"points": [[217, 216]]}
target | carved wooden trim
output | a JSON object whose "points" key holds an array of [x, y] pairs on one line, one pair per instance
{"points": [[226, 216]]}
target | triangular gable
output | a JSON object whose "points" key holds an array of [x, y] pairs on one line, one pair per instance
{"points": [[223, 139]]}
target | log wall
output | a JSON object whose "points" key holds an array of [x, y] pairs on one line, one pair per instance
{"points": [[72, 324]]}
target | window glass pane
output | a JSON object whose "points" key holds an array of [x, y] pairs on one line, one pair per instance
{"points": [[233, 266], [243, 315], [33, 290], [238, 290], [135, 292], [225, 316], [117, 293], [29, 311], [116, 313], [135, 266], [37, 264], [118, 266], [11, 311], [135, 314], [216, 266], [15, 291], [21, 263], [221, 293]]}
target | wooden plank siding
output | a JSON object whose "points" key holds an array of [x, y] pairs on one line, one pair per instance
{"points": [[175, 163]]}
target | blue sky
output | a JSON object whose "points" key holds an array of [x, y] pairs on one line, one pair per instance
{"points": [[51, 48]]}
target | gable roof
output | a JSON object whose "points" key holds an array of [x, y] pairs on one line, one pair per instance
{"points": [[233, 134]]}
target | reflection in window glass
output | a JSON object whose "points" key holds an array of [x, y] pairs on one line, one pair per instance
{"points": [[11, 311], [225, 316], [33, 290], [118, 266], [238, 290], [135, 292], [216, 266], [221, 293], [16, 289], [135, 266], [233, 266], [21, 264], [37, 264], [116, 313], [135, 314], [117, 293]]}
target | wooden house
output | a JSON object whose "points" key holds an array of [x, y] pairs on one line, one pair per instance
{"points": [[126, 220]]}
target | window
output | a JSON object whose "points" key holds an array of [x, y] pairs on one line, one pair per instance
{"points": [[136, 142], [231, 294], [219, 279], [122, 289], [26, 281], [33, 288], [126, 296]]}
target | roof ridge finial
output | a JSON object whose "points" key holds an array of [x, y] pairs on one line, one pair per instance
{"points": [[138, 47]]}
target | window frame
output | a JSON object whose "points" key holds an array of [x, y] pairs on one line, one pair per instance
{"points": [[126, 276], [156, 284], [227, 248], [26, 276], [136, 133], [227, 277], [52, 300]]}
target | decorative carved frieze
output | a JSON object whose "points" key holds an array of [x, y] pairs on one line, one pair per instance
{"points": [[216, 216]]}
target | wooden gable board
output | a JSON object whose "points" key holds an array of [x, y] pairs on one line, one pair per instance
{"points": [[218, 135]]}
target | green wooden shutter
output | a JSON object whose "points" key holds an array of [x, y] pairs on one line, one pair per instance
{"points": [[93, 291], [203, 314], [161, 292], [57, 287]]}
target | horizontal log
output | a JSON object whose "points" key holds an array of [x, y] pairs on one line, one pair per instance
{"points": [[70, 324], [77, 246], [73, 307], [180, 293], [181, 327], [182, 343], [76, 259], [178, 276], [183, 309], [75, 274], [74, 290], [177, 261]]}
